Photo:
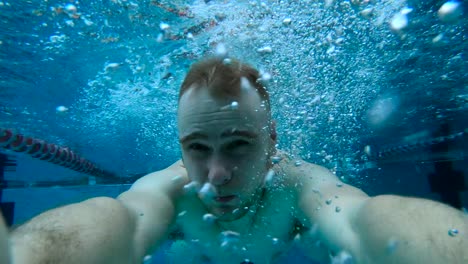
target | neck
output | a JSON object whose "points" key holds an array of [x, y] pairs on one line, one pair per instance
{"points": [[239, 225], [247, 219]]}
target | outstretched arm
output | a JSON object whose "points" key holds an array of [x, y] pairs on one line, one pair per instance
{"points": [[100, 230], [151, 200], [4, 249], [381, 229], [411, 230]]}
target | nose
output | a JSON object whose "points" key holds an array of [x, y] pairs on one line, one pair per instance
{"points": [[218, 173]]}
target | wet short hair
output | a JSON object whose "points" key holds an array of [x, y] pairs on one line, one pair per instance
{"points": [[223, 77]]}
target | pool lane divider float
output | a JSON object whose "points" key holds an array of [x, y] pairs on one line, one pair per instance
{"points": [[7, 208], [53, 153], [440, 151], [388, 152]]}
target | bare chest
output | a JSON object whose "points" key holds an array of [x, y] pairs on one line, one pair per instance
{"points": [[261, 238]]}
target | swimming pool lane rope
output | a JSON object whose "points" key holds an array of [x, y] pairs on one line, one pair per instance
{"points": [[50, 152], [390, 151]]}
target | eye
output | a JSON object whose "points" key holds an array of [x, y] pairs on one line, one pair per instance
{"points": [[198, 147], [237, 144]]}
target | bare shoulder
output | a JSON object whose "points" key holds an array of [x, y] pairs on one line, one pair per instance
{"points": [[169, 179], [317, 187], [301, 172], [325, 204]]}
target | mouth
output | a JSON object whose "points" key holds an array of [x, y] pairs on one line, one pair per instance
{"points": [[225, 199]]}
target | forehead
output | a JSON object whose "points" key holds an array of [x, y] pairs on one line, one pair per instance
{"points": [[200, 111]]}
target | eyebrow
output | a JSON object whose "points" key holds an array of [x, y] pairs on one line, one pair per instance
{"points": [[225, 134], [237, 132], [192, 136]]}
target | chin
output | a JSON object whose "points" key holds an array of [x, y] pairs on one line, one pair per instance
{"points": [[230, 212], [228, 216]]}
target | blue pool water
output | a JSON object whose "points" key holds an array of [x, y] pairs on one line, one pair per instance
{"points": [[376, 91]]}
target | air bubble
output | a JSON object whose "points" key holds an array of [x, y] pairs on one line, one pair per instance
{"points": [[450, 11], [406, 10], [382, 109], [164, 26], [191, 188], [275, 159], [181, 214], [331, 49], [70, 9], [367, 13], [160, 38], [368, 150], [275, 241], [61, 109], [70, 23], [227, 61], [245, 84], [453, 232], [177, 179], [232, 106], [342, 258], [111, 66], [207, 192], [209, 219], [87, 22], [269, 177], [229, 239], [399, 22], [57, 38], [230, 235], [297, 238], [265, 50], [329, 201], [221, 50], [392, 245], [265, 77], [147, 259]]}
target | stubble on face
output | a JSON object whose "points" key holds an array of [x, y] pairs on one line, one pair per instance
{"points": [[199, 112]]}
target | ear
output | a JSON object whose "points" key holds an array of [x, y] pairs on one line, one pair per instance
{"points": [[273, 134], [272, 144]]}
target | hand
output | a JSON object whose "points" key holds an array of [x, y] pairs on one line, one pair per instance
{"points": [[179, 177], [179, 167], [4, 249]]}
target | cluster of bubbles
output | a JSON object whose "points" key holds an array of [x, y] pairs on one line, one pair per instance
{"points": [[320, 94], [302, 49], [334, 69]]}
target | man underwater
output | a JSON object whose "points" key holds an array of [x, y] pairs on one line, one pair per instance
{"points": [[236, 199]]}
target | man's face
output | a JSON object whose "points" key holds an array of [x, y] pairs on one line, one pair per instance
{"points": [[226, 147]]}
